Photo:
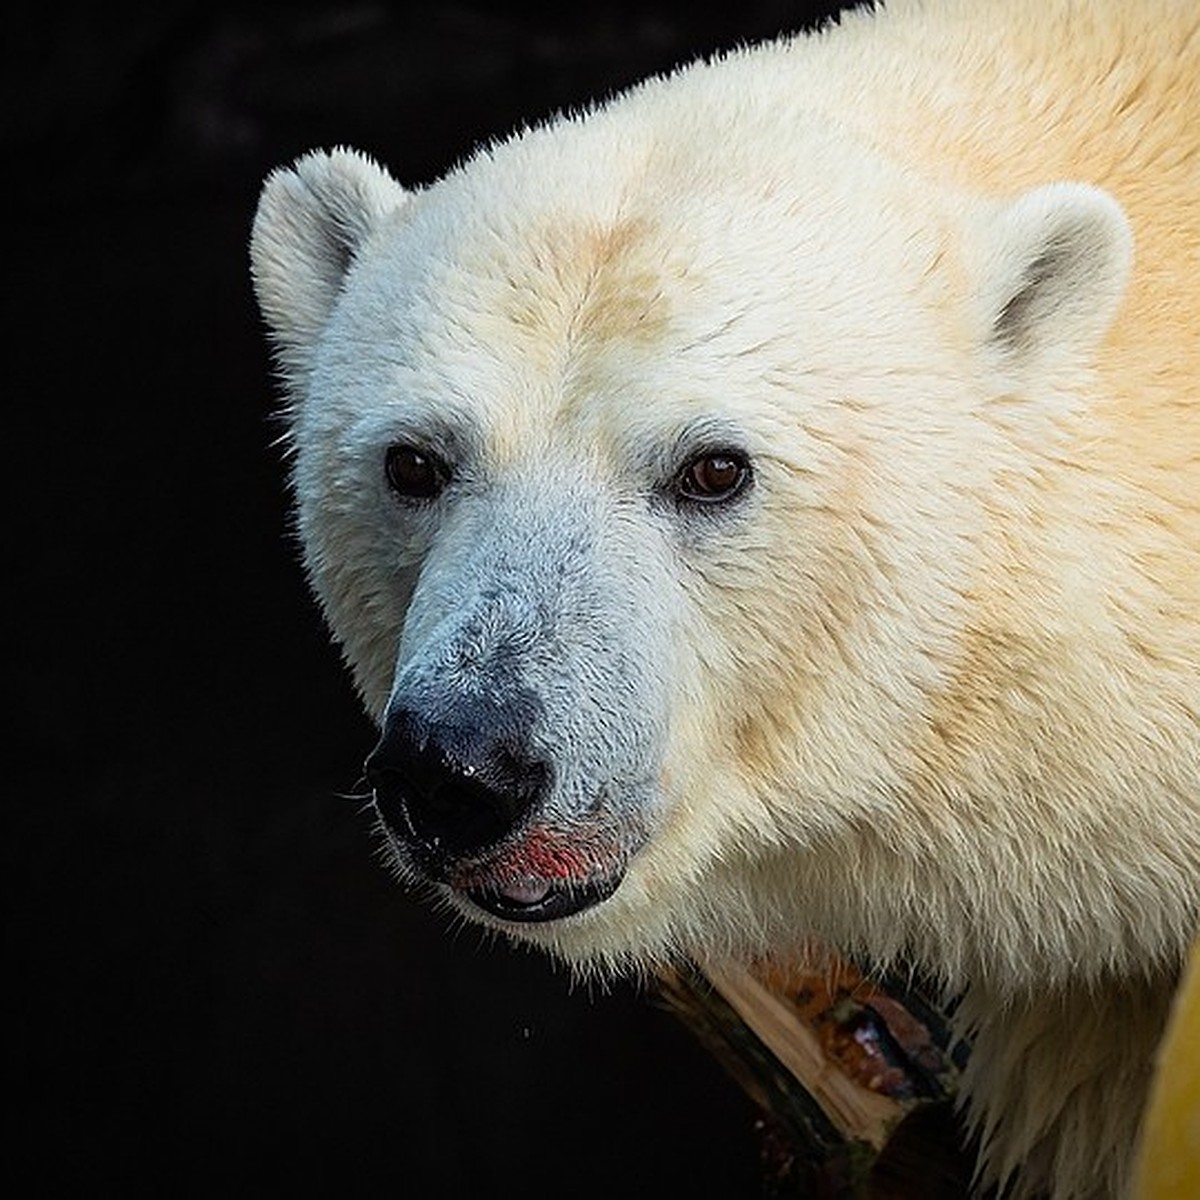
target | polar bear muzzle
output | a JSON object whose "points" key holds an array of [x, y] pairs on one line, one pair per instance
{"points": [[522, 740], [463, 796]]}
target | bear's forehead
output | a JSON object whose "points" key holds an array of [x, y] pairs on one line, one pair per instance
{"points": [[567, 285], [577, 305], [546, 318]]}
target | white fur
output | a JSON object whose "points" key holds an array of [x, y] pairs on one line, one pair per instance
{"points": [[931, 690]]}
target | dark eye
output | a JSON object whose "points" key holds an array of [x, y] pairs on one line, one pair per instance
{"points": [[711, 478], [414, 474]]}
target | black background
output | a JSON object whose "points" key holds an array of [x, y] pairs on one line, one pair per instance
{"points": [[214, 986]]}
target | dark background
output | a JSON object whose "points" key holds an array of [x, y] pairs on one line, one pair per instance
{"points": [[214, 986]]}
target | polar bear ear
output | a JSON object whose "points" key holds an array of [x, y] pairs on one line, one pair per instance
{"points": [[312, 219], [1053, 268]]}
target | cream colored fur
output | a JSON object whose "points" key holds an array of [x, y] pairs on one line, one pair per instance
{"points": [[939, 699]]}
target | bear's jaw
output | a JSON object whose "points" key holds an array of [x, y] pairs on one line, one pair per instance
{"points": [[544, 871], [534, 900]]}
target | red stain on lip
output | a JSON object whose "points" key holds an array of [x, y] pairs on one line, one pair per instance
{"points": [[542, 856], [549, 868]]}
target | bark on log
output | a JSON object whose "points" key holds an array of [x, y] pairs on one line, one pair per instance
{"points": [[856, 1077]]}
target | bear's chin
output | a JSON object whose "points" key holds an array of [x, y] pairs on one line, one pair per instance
{"points": [[541, 900]]}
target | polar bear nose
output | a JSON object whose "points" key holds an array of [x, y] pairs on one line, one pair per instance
{"points": [[457, 787]]}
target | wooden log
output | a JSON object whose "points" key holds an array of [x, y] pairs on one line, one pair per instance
{"points": [[856, 1077]]}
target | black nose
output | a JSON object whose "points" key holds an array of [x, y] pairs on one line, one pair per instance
{"points": [[455, 787]]}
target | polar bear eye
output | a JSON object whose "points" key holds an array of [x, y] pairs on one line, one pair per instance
{"points": [[711, 478], [414, 474]]}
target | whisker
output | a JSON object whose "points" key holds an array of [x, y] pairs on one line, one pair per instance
{"points": [[358, 797], [362, 793]]}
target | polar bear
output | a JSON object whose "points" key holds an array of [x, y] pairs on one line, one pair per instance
{"points": [[767, 507]]}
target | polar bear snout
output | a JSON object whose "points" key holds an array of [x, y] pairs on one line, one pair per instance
{"points": [[473, 801], [452, 788]]}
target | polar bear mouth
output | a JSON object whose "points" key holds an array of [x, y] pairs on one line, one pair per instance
{"points": [[531, 899]]}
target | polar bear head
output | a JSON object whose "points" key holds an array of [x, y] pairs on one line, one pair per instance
{"points": [[641, 485]]}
